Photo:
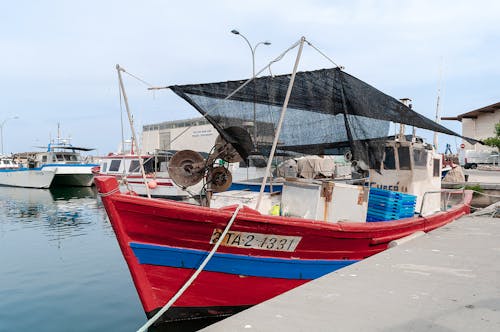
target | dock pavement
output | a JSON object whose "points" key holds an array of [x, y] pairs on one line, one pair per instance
{"points": [[445, 280]]}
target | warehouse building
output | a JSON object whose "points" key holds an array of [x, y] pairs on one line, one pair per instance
{"points": [[193, 134]]}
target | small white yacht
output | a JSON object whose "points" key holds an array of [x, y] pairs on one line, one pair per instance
{"points": [[66, 161]]}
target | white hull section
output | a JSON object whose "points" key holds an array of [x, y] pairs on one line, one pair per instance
{"points": [[72, 175], [28, 178], [159, 187]]}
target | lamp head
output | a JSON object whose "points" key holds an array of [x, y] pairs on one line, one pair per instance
{"points": [[236, 32], [267, 43]]}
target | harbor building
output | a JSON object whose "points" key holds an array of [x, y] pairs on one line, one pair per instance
{"points": [[478, 124], [195, 134]]}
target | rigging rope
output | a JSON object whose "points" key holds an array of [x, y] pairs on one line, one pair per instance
{"points": [[153, 319], [267, 67], [323, 54], [278, 58], [138, 78]]}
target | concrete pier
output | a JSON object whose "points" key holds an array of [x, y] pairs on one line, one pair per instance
{"points": [[446, 280]]}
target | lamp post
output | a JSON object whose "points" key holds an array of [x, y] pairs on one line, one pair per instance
{"points": [[1, 128], [252, 49]]}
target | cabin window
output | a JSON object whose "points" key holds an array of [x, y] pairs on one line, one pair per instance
{"points": [[104, 167], [115, 165], [404, 158], [420, 157], [60, 157], [149, 166], [134, 166], [389, 160], [163, 166], [44, 159], [436, 172]]}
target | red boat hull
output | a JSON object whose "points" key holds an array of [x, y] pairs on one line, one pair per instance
{"points": [[164, 241]]}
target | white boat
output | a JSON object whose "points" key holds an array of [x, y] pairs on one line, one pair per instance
{"points": [[126, 169], [12, 174], [65, 160]]}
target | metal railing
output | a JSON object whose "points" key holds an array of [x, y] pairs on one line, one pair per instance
{"points": [[445, 199]]}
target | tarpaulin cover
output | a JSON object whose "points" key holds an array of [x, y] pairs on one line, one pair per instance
{"points": [[329, 110]]}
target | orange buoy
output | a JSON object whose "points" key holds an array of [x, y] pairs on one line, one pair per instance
{"points": [[152, 184]]}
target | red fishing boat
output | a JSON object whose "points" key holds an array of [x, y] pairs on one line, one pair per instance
{"points": [[238, 248], [164, 242]]}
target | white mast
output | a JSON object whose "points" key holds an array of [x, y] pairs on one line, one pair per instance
{"points": [[131, 122]]}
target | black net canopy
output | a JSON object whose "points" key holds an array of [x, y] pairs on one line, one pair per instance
{"points": [[329, 111]]}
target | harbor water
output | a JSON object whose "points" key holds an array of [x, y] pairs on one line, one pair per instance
{"points": [[60, 265]]}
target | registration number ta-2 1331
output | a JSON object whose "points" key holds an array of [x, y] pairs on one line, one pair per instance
{"points": [[256, 240]]}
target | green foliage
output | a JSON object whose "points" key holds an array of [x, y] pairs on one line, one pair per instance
{"points": [[494, 141], [475, 188]]}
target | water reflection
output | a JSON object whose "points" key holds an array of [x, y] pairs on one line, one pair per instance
{"points": [[61, 212], [59, 255]]}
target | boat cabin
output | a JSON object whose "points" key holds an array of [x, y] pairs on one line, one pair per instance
{"points": [[8, 163], [130, 165], [413, 168], [59, 157]]}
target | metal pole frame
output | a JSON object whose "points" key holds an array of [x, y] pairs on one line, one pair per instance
{"points": [[280, 123]]}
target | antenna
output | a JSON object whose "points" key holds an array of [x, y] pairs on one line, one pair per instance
{"points": [[438, 102]]}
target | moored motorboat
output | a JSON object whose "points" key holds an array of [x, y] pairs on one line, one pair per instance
{"points": [[26, 177], [65, 160], [14, 175], [156, 180]]}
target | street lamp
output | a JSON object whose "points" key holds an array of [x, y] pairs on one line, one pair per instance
{"points": [[1, 128], [252, 49]]}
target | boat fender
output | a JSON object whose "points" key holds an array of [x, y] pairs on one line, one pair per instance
{"points": [[405, 239], [152, 184]]}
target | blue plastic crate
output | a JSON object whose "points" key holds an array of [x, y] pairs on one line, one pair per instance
{"points": [[385, 205]]}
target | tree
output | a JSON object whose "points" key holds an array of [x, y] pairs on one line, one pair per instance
{"points": [[494, 141]]}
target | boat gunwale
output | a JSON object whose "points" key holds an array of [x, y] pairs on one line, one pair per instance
{"points": [[251, 215]]}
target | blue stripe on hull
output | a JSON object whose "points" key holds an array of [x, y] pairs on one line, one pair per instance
{"points": [[254, 187], [70, 165], [237, 264]]}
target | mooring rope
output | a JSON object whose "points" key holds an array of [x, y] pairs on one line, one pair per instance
{"points": [[109, 193], [480, 193], [153, 319]]}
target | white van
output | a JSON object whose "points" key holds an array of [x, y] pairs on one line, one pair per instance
{"points": [[473, 158]]}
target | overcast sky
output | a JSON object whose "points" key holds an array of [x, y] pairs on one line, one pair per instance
{"points": [[57, 60]]}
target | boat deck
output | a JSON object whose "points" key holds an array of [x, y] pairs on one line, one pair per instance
{"points": [[446, 280]]}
